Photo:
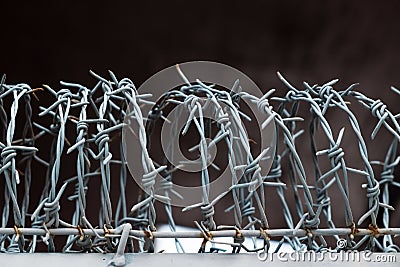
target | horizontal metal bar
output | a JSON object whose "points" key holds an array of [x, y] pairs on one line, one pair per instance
{"points": [[199, 234]]}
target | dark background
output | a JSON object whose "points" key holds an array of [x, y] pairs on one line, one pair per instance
{"points": [[43, 42], [48, 41]]}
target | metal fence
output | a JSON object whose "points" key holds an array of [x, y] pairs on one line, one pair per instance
{"points": [[95, 117]]}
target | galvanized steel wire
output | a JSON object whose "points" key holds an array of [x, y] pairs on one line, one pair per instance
{"points": [[25, 224]]}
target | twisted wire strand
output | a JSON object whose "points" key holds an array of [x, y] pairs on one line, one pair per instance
{"points": [[9, 170], [387, 180]]}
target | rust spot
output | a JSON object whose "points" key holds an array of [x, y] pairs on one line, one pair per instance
{"points": [[264, 233], [354, 230], [147, 234], [374, 230], [17, 231], [106, 230], [209, 236], [80, 232], [308, 232]]}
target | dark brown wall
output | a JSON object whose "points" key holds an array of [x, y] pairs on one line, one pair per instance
{"points": [[356, 41]]}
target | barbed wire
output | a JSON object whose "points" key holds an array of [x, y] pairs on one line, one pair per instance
{"points": [[107, 105]]}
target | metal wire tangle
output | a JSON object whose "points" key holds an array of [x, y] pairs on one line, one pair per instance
{"points": [[98, 115]]}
